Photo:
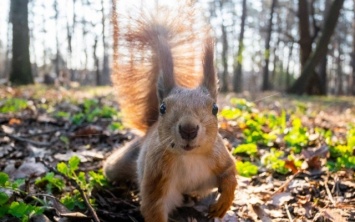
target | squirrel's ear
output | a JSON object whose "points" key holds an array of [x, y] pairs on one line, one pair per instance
{"points": [[209, 74], [165, 84], [166, 79]]}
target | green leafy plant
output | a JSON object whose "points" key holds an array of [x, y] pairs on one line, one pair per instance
{"points": [[297, 136], [273, 161], [246, 169], [78, 118], [20, 210], [340, 150], [13, 105], [91, 111], [242, 104], [343, 153], [115, 126], [351, 138], [87, 184], [72, 200], [97, 179], [249, 149], [230, 113], [51, 182], [62, 114]]}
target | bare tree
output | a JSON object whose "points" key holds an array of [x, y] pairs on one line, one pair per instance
{"points": [[70, 34], [44, 41], [339, 72], [57, 56], [276, 54], [353, 54], [21, 66], [115, 29], [322, 67], [238, 75], [266, 84], [304, 30], [224, 77], [96, 60], [8, 48], [33, 50], [300, 86], [289, 57], [104, 79]]}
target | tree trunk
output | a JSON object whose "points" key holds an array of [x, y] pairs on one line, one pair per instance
{"points": [[33, 49], [322, 70], [353, 55], [321, 84], [8, 50], [306, 40], [105, 77], [57, 56], [276, 63], [299, 87], [266, 85], [288, 77], [340, 88], [224, 87], [84, 75], [21, 66], [96, 62], [114, 21], [305, 35], [238, 74], [44, 42], [70, 34]]}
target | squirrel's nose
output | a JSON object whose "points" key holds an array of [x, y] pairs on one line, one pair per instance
{"points": [[188, 131]]}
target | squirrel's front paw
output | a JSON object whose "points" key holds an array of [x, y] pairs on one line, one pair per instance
{"points": [[218, 209]]}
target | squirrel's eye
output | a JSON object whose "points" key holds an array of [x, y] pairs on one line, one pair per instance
{"points": [[162, 108], [214, 109]]}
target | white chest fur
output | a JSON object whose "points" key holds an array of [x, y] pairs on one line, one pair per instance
{"points": [[194, 175], [190, 175]]}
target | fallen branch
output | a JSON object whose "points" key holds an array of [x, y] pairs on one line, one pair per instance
{"points": [[287, 182], [22, 139], [328, 191], [43, 133], [288, 213]]}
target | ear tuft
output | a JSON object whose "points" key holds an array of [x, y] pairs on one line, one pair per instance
{"points": [[209, 74]]}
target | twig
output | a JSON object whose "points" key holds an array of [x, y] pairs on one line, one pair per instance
{"points": [[287, 182], [42, 133], [35, 143], [288, 213], [328, 191], [76, 185]]}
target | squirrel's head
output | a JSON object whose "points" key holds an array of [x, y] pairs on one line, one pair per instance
{"points": [[188, 117], [188, 120]]}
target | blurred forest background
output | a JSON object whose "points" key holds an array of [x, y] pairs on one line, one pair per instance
{"points": [[294, 46]]}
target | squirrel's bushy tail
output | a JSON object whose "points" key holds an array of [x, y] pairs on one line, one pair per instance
{"points": [[167, 41]]}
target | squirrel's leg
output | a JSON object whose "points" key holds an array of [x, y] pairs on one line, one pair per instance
{"points": [[158, 200], [153, 212], [158, 192], [227, 183]]}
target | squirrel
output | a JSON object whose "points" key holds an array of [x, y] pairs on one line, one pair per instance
{"points": [[162, 94]]}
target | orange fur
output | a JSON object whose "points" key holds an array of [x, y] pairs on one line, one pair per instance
{"points": [[181, 152], [135, 74]]}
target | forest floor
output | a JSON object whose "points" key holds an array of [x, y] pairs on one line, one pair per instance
{"points": [[295, 157]]}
